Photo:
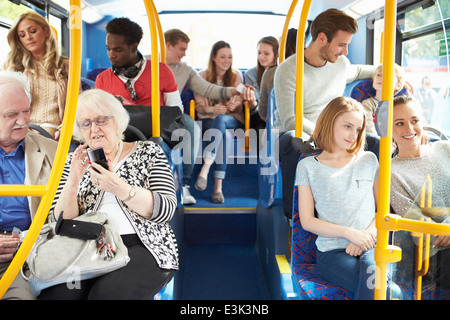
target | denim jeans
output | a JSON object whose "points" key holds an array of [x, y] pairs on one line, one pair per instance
{"points": [[192, 129], [355, 274], [221, 147]]}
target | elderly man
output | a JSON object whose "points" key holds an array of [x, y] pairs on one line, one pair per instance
{"points": [[26, 158]]}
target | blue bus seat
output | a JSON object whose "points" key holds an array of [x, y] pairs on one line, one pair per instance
{"points": [[361, 90], [270, 180], [305, 275], [87, 84], [186, 96], [165, 293], [92, 75]]}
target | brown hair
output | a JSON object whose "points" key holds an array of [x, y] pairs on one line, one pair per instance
{"points": [[273, 42], [323, 132], [173, 36], [409, 100], [211, 76], [330, 22]]}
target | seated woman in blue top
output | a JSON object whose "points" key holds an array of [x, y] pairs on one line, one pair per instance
{"points": [[346, 208]]}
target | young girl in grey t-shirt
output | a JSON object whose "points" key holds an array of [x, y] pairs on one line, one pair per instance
{"points": [[341, 184]]}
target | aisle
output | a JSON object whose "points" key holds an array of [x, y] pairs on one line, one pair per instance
{"points": [[222, 272]]}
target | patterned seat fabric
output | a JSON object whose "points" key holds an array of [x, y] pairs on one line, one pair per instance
{"points": [[305, 274], [92, 75], [363, 90], [186, 96]]}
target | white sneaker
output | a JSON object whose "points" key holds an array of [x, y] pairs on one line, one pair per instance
{"points": [[187, 197]]}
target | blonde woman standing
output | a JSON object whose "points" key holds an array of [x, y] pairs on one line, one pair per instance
{"points": [[34, 51]]}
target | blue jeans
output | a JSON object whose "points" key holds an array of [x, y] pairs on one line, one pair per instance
{"points": [[355, 274], [193, 130], [222, 144]]}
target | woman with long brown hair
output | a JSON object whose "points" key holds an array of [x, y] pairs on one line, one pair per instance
{"points": [[219, 115]]}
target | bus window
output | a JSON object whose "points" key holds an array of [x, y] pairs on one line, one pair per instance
{"points": [[426, 62], [3, 44], [425, 35], [424, 16], [8, 13], [238, 29]]}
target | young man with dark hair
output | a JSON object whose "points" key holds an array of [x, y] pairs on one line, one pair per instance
{"points": [[129, 77]]}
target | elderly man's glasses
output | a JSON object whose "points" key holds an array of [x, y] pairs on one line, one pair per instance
{"points": [[133, 94], [99, 121]]}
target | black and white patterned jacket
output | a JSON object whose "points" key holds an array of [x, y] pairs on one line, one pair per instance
{"points": [[146, 166]]}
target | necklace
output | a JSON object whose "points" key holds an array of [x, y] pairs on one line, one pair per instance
{"points": [[119, 152]]}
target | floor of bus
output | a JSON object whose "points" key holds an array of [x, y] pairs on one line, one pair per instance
{"points": [[220, 259]]}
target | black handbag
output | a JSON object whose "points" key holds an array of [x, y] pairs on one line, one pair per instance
{"points": [[171, 119]]}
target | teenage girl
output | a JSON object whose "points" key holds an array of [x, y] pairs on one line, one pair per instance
{"points": [[341, 185]]}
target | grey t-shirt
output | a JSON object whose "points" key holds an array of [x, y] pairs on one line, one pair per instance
{"points": [[341, 196]]}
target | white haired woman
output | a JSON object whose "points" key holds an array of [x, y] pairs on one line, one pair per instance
{"points": [[137, 192]]}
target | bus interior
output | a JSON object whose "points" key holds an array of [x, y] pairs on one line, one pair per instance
{"points": [[245, 248]]}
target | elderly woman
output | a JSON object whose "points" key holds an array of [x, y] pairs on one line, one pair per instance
{"points": [[417, 162], [137, 192], [34, 51]]}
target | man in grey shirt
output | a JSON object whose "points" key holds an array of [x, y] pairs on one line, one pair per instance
{"points": [[326, 73], [186, 76]]}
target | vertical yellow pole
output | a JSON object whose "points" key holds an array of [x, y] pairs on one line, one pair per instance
{"points": [[247, 127], [381, 255], [162, 43], [285, 30], [151, 14], [61, 152], [300, 68], [192, 108]]}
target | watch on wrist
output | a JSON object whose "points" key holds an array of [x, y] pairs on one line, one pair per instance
{"points": [[131, 194]]}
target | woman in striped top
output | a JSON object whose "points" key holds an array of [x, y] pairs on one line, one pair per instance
{"points": [[137, 192]]}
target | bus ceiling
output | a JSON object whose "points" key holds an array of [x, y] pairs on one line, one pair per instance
{"points": [[94, 10]]}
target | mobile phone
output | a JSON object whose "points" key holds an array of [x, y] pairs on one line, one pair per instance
{"points": [[98, 156], [240, 88]]}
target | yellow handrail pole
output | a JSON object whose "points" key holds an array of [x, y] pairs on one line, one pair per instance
{"points": [[156, 129], [162, 43], [285, 31], [192, 108], [247, 127], [20, 190], [300, 68], [61, 152], [381, 47], [382, 254]]}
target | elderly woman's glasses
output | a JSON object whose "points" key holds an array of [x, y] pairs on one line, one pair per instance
{"points": [[133, 94], [99, 121]]}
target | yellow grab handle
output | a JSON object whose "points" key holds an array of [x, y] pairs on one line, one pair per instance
{"points": [[300, 68], [151, 14]]}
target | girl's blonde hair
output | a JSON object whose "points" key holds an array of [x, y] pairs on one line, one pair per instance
{"points": [[20, 59], [323, 132], [398, 72]]}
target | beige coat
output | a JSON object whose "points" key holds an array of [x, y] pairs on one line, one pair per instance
{"points": [[39, 156]]}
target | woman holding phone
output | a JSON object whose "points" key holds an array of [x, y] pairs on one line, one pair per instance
{"points": [[137, 193]]}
